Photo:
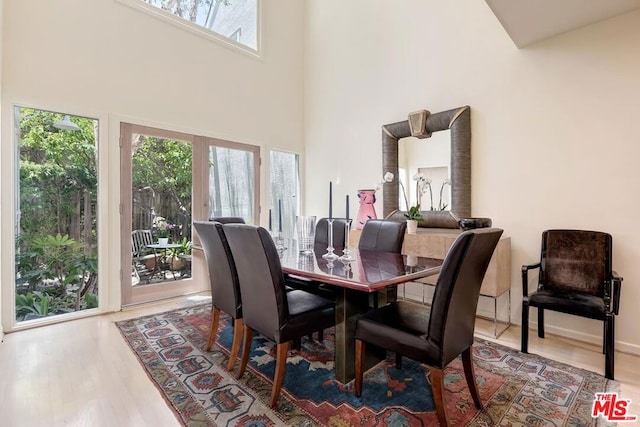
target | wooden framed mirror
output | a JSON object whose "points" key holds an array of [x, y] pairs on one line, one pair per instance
{"points": [[421, 125]]}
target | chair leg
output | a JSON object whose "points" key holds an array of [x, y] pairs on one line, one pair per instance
{"points": [[467, 363], [246, 349], [398, 361], [604, 337], [540, 322], [281, 366], [297, 344], [238, 325], [610, 352], [213, 331], [437, 388], [524, 334], [357, 383]]}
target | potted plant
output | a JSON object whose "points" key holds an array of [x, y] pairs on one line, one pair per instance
{"points": [[163, 229], [413, 216], [176, 261]]}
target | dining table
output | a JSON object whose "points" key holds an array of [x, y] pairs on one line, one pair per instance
{"points": [[355, 283]]}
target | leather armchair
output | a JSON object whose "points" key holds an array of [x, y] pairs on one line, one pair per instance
{"points": [[575, 276]]}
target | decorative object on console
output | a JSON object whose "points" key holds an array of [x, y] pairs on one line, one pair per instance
{"points": [[367, 210], [471, 223]]}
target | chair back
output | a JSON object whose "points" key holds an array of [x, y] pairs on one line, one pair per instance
{"points": [[223, 277], [139, 241], [322, 232], [264, 301], [227, 219], [576, 260], [457, 291], [382, 235]]}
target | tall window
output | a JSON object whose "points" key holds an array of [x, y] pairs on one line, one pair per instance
{"points": [[56, 226], [231, 183], [235, 20], [285, 191]]}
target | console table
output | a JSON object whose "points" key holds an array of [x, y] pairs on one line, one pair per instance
{"points": [[435, 243]]}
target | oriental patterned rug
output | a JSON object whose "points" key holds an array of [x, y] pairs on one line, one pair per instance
{"points": [[517, 389]]}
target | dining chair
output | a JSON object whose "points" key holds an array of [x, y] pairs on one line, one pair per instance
{"points": [[268, 309], [575, 276], [438, 334], [383, 235], [322, 232], [228, 219], [223, 280]]}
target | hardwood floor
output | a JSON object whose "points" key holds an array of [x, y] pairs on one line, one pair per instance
{"points": [[82, 373]]}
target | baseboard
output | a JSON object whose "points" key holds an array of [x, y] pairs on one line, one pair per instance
{"points": [[621, 346]]}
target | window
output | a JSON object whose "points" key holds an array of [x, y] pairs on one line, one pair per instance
{"points": [[56, 214], [285, 191], [233, 20]]}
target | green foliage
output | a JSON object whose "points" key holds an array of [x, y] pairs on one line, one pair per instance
{"points": [[37, 303], [57, 169], [413, 213], [91, 301], [184, 249]]}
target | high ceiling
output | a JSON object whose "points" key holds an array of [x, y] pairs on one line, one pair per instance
{"points": [[529, 21]]}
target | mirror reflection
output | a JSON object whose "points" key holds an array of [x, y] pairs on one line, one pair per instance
{"points": [[429, 158]]}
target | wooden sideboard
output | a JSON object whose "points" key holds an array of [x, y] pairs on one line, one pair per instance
{"points": [[434, 243]]}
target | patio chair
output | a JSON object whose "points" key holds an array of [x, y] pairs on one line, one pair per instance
{"points": [[143, 259]]}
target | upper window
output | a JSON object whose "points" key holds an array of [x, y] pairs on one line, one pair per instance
{"points": [[234, 20]]}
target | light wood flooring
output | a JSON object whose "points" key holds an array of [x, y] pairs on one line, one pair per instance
{"points": [[82, 373]]}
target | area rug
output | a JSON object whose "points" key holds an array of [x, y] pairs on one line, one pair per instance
{"points": [[517, 389]]}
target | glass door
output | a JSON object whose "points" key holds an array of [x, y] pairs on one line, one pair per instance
{"points": [[157, 201]]}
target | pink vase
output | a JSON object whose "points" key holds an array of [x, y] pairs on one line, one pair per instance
{"points": [[367, 210]]}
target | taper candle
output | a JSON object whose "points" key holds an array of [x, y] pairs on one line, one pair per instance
{"points": [[280, 215], [347, 209], [270, 220], [330, 200]]}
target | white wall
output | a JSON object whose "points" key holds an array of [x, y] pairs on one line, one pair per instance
{"points": [[103, 58], [554, 138]]}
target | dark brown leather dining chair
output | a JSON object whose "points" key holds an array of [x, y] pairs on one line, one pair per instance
{"points": [[322, 232], [575, 276], [438, 334], [382, 235], [267, 308], [223, 279], [227, 219]]}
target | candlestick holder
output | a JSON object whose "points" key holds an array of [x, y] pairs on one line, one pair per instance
{"points": [[346, 252], [278, 239], [330, 255]]}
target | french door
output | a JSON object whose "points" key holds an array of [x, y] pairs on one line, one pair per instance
{"points": [[168, 180]]}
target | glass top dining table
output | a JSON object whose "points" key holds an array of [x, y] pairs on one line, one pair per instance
{"points": [[355, 283]]}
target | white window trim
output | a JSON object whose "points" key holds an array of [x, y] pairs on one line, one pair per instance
{"points": [[202, 31]]}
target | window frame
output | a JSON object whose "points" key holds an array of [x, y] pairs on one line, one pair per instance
{"points": [[200, 30]]}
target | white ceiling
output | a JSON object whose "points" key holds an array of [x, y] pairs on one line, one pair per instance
{"points": [[528, 21]]}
